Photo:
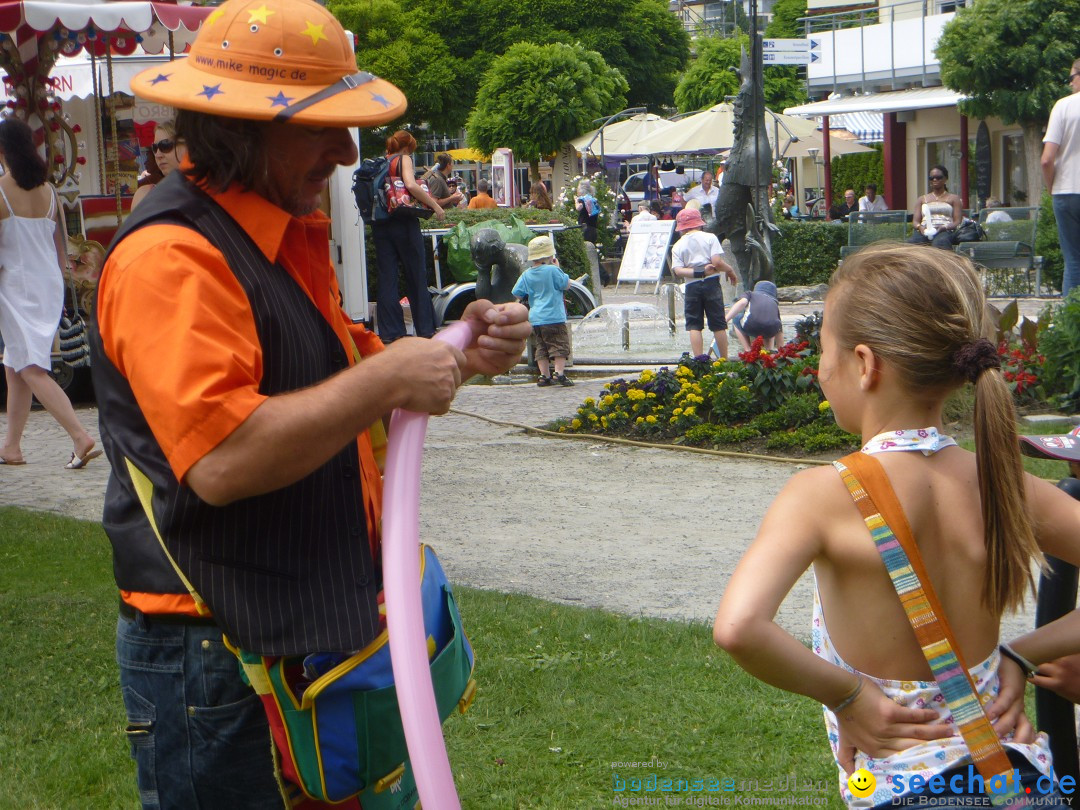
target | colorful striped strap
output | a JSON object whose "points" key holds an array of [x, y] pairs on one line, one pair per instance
{"points": [[869, 487]]}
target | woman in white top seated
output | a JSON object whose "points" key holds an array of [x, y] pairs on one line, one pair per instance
{"points": [[937, 214]]}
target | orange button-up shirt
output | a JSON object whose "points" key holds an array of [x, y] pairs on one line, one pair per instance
{"points": [[175, 321]]}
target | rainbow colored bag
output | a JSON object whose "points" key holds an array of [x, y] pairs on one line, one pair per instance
{"points": [[335, 719]]}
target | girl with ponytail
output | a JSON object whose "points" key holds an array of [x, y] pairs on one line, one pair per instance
{"points": [[903, 328]]}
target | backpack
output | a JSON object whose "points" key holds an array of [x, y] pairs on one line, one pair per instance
{"points": [[369, 188]]}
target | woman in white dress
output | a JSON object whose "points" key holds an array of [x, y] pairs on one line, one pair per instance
{"points": [[33, 240]]}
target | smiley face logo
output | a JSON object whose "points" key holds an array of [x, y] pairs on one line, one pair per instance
{"points": [[861, 783]]}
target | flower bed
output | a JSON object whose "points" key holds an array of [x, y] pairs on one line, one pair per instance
{"points": [[771, 401], [765, 399]]}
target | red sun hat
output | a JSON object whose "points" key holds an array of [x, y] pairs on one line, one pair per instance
{"points": [[273, 60], [688, 218]]}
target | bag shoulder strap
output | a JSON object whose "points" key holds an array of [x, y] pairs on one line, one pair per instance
{"points": [[876, 500]]}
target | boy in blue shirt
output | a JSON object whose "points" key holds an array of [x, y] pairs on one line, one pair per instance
{"points": [[542, 285]]}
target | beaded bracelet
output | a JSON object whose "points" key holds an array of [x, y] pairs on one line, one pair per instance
{"points": [[843, 704]]}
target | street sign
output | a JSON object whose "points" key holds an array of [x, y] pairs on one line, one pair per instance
{"points": [[788, 57], [785, 45]]}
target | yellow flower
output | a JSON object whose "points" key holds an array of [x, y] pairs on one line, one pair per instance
{"points": [[639, 420], [689, 411], [677, 412], [646, 376], [650, 419], [589, 401], [764, 353], [575, 424], [697, 388], [603, 421], [673, 420], [717, 364], [635, 394], [743, 388], [683, 371], [651, 395], [607, 401], [593, 417], [824, 405]]}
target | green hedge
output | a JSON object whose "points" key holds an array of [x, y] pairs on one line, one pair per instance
{"points": [[806, 252], [569, 244], [855, 171], [1047, 244]]}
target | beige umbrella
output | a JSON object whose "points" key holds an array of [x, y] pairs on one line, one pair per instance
{"points": [[837, 146], [616, 136], [710, 130]]}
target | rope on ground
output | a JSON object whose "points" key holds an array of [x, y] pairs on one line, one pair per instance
{"points": [[589, 437]]}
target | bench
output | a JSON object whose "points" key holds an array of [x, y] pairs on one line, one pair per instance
{"points": [[1009, 246], [873, 226]]}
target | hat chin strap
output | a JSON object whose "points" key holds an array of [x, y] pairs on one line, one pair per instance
{"points": [[347, 82]]}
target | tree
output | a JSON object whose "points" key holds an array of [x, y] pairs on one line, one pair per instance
{"points": [[783, 87], [415, 59], [711, 76], [640, 38], [536, 97], [1011, 57]]}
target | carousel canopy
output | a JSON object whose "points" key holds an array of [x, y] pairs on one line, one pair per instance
{"points": [[82, 23]]}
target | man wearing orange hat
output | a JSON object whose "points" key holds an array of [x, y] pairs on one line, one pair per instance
{"points": [[698, 257], [238, 404]]}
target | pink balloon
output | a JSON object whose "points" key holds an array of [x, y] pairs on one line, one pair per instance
{"points": [[404, 610]]}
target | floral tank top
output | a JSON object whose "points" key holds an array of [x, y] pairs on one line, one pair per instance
{"points": [[934, 756]]}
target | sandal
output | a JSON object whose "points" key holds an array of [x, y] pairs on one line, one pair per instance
{"points": [[12, 462], [77, 463]]}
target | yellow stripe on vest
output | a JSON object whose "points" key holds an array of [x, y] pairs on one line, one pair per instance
{"points": [[145, 490]]}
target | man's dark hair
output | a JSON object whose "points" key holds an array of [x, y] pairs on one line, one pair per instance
{"points": [[870, 187], [17, 143], [223, 150], [443, 160]]}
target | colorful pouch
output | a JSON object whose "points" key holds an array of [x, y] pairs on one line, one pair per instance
{"points": [[335, 719]]}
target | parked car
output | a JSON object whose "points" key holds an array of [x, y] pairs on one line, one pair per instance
{"points": [[634, 187]]}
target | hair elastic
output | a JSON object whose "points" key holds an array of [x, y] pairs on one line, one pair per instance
{"points": [[976, 357]]}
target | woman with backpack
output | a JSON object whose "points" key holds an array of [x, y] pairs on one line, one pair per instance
{"points": [[398, 240]]}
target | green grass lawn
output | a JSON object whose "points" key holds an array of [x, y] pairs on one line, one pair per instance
{"points": [[565, 694]]}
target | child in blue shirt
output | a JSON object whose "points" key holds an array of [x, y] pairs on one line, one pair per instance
{"points": [[543, 285]]}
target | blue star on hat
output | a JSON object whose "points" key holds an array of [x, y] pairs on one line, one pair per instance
{"points": [[210, 92], [381, 99], [280, 100], [161, 77]]}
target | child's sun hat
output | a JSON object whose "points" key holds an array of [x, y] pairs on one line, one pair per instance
{"points": [[541, 248]]}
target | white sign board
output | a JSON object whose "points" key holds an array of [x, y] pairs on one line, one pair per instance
{"points": [[788, 57], [646, 250], [785, 45]]}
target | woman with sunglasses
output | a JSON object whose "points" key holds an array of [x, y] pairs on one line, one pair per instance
{"points": [[937, 214], [168, 153]]}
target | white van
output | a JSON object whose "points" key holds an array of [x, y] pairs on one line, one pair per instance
{"points": [[634, 187]]}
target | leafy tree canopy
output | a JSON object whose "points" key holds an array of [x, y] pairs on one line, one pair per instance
{"points": [[711, 76], [536, 97], [1010, 57], [640, 38], [415, 59]]}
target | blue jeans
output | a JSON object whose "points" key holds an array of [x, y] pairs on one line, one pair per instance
{"points": [[399, 239], [198, 733], [1067, 214]]}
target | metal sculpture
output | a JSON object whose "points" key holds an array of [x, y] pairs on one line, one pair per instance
{"points": [[742, 210], [498, 265]]}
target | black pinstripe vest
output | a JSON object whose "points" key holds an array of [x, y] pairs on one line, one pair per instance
{"points": [[284, 573]]}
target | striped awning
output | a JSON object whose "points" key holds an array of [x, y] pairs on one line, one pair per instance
{"points": [[867, 127]]}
